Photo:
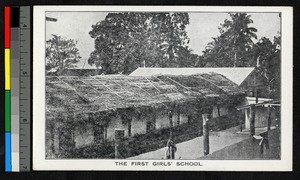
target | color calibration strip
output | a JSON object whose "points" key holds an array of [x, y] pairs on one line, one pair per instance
{"points": [[14, 85], [8, 158], [24, 95], [17, 88]]}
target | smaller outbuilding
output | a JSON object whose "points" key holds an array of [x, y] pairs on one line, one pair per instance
{"points": [[266, 112]]}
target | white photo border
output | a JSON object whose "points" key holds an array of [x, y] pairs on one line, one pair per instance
{"points": [[284, 164]]}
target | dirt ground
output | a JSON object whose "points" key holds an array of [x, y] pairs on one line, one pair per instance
{"points": [[226, 144], [250, 149]]}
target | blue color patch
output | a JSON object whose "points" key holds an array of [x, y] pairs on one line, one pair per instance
{"points": [[8, 166]]}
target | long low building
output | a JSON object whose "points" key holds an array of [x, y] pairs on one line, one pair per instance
{"points": [[82, 111], [251, 79], [237, 75]]}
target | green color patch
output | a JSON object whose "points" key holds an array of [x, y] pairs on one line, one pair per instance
{"points": [[7, 111]]}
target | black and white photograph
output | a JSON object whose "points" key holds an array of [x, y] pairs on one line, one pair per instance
{"points": [[152, 86]]}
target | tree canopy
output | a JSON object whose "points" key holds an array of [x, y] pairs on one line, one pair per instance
{"points": [[267, 56], [235, 47], [61, 53], [125, 41], [235, 40]]}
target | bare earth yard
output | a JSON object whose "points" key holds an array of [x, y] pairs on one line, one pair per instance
{"points": [[238, 146]]}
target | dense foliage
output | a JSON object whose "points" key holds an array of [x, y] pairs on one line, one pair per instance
{"points": [[125, 41], [61, 53], [142, 143], [234, 42], [235, 47]]}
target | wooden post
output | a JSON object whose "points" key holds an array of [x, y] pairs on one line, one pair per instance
{"points": [[129, 120], [241, 124], [205, 134], [252, 119], [218, 108], [269, 118], [119, 134], [170, 115], [265, 142], [256, 95], [178, 116], [262, 147]]}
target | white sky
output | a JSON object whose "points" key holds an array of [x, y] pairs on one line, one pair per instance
{"points": [[203, 26]]}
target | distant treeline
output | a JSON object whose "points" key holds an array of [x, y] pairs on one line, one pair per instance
{"points": [[128, 40]]}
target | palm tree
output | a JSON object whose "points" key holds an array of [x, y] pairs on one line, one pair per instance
{"points": [[217, 52], [238, 34]]}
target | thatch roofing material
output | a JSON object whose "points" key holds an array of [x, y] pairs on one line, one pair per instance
{"points": [[235, 74], [73, 95]]}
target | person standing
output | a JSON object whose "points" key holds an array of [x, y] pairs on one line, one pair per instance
{"points": [[171, 149]]}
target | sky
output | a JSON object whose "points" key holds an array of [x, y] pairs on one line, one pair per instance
{"points": [[202, 27]]}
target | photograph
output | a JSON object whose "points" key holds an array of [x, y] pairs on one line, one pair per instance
{"points": [[160, 85]]}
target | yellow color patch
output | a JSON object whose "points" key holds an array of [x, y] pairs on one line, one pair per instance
{"points": [[7, 69]]}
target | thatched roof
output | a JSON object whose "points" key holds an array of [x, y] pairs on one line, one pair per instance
{"points": [[235, 74], [72, 94]]}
